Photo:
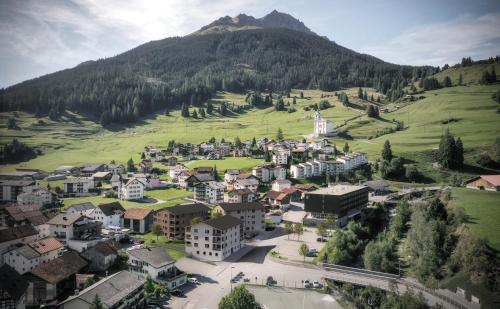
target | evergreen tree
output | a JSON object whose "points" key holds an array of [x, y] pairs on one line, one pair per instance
{"points": [[294, 101], [365, 96], [254, 142], [387, 151], [96, 303], [459, 153], [210, 108], [184, 111], [493, 75], [131, 166], [195, 114], [202, 112], [279, 135], [485, 78], [460, 80], [301, 95], [216, 173], [280, 105], [446, 150], [268, 157], [346, 148], [378, 99], [447, 81], [237, 141], [360, 93]]}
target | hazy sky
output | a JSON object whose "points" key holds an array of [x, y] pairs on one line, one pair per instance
{"points": [[42, 36]]}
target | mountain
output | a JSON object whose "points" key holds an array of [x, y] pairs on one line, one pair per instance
{"points": [[274, 19], [189, 70]]}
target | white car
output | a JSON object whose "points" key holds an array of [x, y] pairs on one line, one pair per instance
{"points": [[306, 284], [193, 281], [316, 284]]}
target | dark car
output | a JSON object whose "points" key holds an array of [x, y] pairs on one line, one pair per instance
{"points": [[321, 239], [177, 293], [269, 280]]}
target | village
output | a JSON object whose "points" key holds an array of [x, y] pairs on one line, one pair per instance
{"points": [[64, 254]]}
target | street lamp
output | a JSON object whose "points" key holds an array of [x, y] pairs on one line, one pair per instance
{"points": [[231, 279]]}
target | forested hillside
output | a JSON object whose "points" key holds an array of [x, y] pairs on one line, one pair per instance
{"points": [[167, 73]]}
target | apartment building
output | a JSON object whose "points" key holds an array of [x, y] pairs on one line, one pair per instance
{"points": [[173, 220], [250, 214]]}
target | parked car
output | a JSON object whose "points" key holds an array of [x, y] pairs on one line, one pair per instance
{"points": [[307, 284], [269, 281], [321, 239], [177, 293], [246, 280], [193, 280], [270, 228], [316, 284], [312, 253]]}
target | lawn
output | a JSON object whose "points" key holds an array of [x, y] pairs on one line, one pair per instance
{"points": [[77, 140], [165, 198], [174, 249], [245, 164], [483, 209]]}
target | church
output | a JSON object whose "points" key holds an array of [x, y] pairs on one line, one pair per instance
{"points": [[323, 127]]}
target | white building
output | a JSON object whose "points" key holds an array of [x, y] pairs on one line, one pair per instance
{"points": [[83, 209], [297, 171], [13, 184], [211, 192], [323, 127], [279, 185], [176, 170], [133, 189], [215, 239], [307, 170], [251, 215], [280, 158], [25, 258], [75, 231], [115, 169], [110, 214], [78, 186], [231, 175], [156, 262], [353, 160], [36, 197], [251, 184], [21, 234]]}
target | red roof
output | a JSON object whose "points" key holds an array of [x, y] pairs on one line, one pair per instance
{"points": [[46, 244], [493, 179]]}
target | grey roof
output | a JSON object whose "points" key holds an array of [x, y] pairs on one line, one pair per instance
{"points": [[81, 207], [60, 268], [377, 184], [12, 282], [224, 222], [203, 177], [183, 209], [17, 232], [241, 206], [64, 218], [111, 208], [92, 167], [27, 252], [338, 190], [111, 289], [156, 256]]}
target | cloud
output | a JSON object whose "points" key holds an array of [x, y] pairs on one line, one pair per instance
{"points": [[440, 43], [57, 34]]}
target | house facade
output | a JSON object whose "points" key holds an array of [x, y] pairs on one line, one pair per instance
{"points": [[214, 239], [251, 215], [110, 214], [173, 220], [138, 220], [210, 192], [156, 262], [78, 186], [132, 189]]}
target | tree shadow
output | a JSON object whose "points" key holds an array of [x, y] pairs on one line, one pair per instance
{"points": [[257, 255]]}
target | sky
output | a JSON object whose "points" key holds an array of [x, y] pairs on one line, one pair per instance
{"points": [[38, 37]]}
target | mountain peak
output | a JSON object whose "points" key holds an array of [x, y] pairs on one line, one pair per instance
{"points": [[242, 21]]}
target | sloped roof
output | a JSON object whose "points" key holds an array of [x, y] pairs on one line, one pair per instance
{"points": [[223, 223], [108, 247], [183, 209], [17, 232], [202, 177], [12, 282], [493, 179], [82, 206], [155, 256], [111, 208], [46, 244], [27, 252], [137, 213], [239, 191], [60, 268], [65, 218], [241, 206], [111, 289]]}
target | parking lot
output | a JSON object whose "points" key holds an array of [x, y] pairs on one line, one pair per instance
{"points": [[288, 298]]}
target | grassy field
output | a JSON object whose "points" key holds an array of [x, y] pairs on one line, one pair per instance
{"points": [[76, 140], [175, 249], [159, 199], [245, 164], [483, 209], [470, 74]]}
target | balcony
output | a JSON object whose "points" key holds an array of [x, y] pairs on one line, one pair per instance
{"points": [[171, 274]]}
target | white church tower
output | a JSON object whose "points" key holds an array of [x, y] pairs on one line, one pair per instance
{"points": [[323, 127]]}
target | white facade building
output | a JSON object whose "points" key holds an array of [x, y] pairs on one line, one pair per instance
{"points": [[133, 189], [323, 127], [78, 186], [211, 192], [36, 197], [110, 215], [251, 215], [278, 185], [215, 239]]}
